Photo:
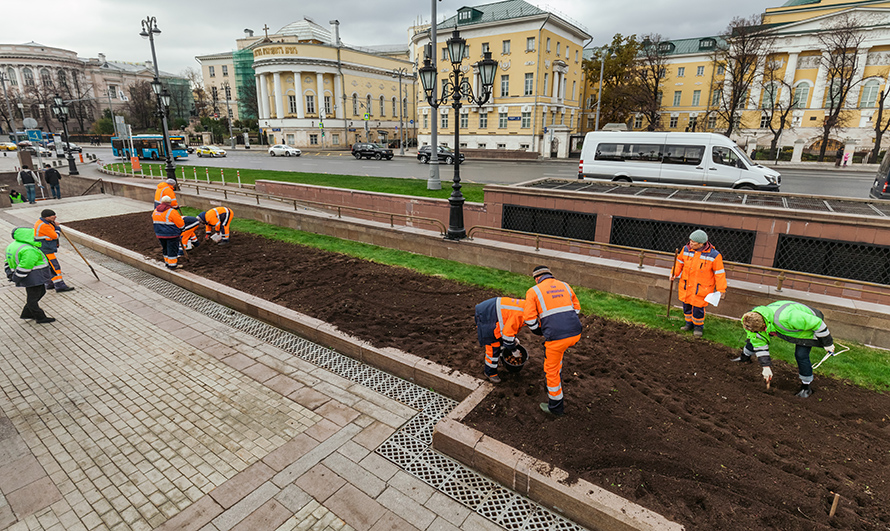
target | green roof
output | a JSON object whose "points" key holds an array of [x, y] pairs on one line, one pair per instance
{"points": [[792, 3], [495, 12]]}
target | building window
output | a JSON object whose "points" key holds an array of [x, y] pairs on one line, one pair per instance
{"points": [[29, 77], [313, 139], [696, 97], [573, 90], [212, 71], [715, 99], [214, 93], [63, 80], [46, 78], [484, 48], [426, 121], [558, 48], [662, 72], [354, 105], [673, 124], [502, 120], [483, 120], [444, 121], [590, 123], [529, 84], [526, 120], [870, 93], [481, 145], [567, 52], [506, 47], [524, 146], [395, 107], [801, 93], [530, 44], [764, 121], [720, 70], [505, 86], [712, 122], [225, 69], [382, 107], [290, 140], [112, 91], [638, 122], [368, 104], [548, 44], [546, 79], [464, 120], [327, 105], [292, 104], [310, 104], [445, 54], [335, 139], [502, 146], [693, 121], [677, 94], [561, 118], [699, 71], [228, 92], [768, 99], [576, 56], [681, 71]]}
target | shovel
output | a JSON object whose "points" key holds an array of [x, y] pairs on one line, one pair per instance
{"points": [[829, 354]]}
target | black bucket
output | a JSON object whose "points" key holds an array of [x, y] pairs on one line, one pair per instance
{"points": [[515, 368]]}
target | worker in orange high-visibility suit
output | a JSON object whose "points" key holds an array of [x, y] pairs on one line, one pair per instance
{"points": [[46, 235], [166, 188], [497, 318], [217, 220], [551, 310], [700, 270], [168, 225], [189, 239]]}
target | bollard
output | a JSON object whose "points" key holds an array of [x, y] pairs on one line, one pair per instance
{"points": [[195, 173], [183, 173], [151, 171], [81, 158], [642, 257], [238, 173], [222, 176], [207, 174]]}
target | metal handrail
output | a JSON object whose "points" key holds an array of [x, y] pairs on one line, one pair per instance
{"points": [[781, 275], [216, 187]]}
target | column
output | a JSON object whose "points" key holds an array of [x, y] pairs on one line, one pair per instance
{"points": [[791, 69], [264, 96], [319, 99], [554, 91], [853, 95], [819, 88], [298, 88], [757, 85], [338, 93], [276, 79]]}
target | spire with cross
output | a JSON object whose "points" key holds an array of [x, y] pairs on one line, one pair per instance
{"points": [[266, 29]]}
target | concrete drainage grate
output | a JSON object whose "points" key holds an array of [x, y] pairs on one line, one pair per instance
{"points": [[409, 447]]}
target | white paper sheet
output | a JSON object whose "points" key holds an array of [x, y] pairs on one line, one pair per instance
{"points": [[713, 298]]}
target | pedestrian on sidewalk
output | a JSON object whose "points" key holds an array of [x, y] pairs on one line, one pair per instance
{"points": [[168, 224], [838, 157], [15, 197], [551, 310], [53, 177], [700, 270], [30, 181], [498, 318], [28, 268], [46, 234]]}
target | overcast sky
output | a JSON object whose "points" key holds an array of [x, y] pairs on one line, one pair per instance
{"points": [[112, 27]]}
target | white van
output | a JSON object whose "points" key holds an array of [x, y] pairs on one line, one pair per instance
{"points": [[695, 159]]}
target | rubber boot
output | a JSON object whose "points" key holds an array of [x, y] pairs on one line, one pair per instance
{"points": [[61, 287], [743, 358], [698, 332], [805, 391], [687, 327]]}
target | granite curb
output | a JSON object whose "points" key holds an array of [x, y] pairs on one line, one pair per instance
{"points": [[580, 500]]}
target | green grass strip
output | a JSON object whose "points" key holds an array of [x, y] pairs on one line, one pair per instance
{"points": [[387, 185], [864, 366]]}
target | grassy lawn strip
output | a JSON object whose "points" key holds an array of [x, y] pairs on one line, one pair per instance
{"points": [[863, 366], [386, 185]]}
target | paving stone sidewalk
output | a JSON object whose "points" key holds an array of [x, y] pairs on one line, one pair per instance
{"points": [[135, 412]]}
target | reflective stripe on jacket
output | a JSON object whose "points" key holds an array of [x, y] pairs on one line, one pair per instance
{"points": [[552, 305], [701, 273], [167, 221], [28, 263], [45, 234], [165, 188], [499, 317], [791, 321], [216, 218]]}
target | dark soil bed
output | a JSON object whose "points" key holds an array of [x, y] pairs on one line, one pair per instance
{"points": [[656, 417]]}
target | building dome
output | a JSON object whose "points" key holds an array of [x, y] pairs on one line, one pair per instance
{"points": [[307, 30]]}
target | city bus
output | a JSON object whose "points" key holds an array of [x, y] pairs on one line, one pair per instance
{"points": [[149, 147]]}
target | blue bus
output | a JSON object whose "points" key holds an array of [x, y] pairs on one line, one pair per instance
{"points": [[149, 147]]}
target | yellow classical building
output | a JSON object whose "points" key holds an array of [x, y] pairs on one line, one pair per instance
{"points": [[537, 92], [692, 77]]}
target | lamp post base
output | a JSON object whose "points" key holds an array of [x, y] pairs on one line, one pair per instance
{"points": [[72, 168]]}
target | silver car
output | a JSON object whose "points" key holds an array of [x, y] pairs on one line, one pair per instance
{"points": [[280, 150]]}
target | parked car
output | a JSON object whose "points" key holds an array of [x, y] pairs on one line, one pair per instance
{"points": [[692, 159], [367, 150], [444, 154], [881, 188], [210, 151], [280, 150], [37, 150], [8, 146]]}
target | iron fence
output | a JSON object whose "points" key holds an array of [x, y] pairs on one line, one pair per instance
{"points": [[562, 223], [736, 245], [857, 261]]}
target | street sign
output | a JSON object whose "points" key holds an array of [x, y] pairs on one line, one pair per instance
{"points": [[321, 125], [34, 135], [29, 123], [410, 121], [367, 116]]}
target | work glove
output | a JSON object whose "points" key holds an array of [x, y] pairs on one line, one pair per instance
{"points": [[767, 374], [830, 349], [509, 346], [216, 237]]}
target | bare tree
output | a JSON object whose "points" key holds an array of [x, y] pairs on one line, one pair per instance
{"points": [[41, 94], [740, 52], [880, 126], [200, 95], [12, 98], [81, 106], [648, 79], [777, 100], [142, 106], [840, 42]]}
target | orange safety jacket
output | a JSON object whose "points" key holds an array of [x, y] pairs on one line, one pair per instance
{"points": [[701, 273], [552, 305], [499, 317], [46, 235], [216, 219], [165, 188], [167, 222]]}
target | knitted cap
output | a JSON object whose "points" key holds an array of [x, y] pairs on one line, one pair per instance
{"points": [[699, 236], [47, 213], [540, 270], [171, 181], [166, 199]]}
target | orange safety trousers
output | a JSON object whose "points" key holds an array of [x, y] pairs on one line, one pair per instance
{"points": [[492, 357], [54, 265], [554, 351]]}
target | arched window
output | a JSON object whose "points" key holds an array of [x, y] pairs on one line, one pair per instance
{"points": [[405, 107], [382, 106], [395, 106], [355, 104], [368, 104], [833, 94], [13, 79], [45, 78], [801, 94], [870, 92], [63, 79], [768, 98], [29, 77]]}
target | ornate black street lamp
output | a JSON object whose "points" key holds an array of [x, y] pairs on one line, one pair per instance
{"points": [[149, 30], [457, 87], [60, 109]]}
